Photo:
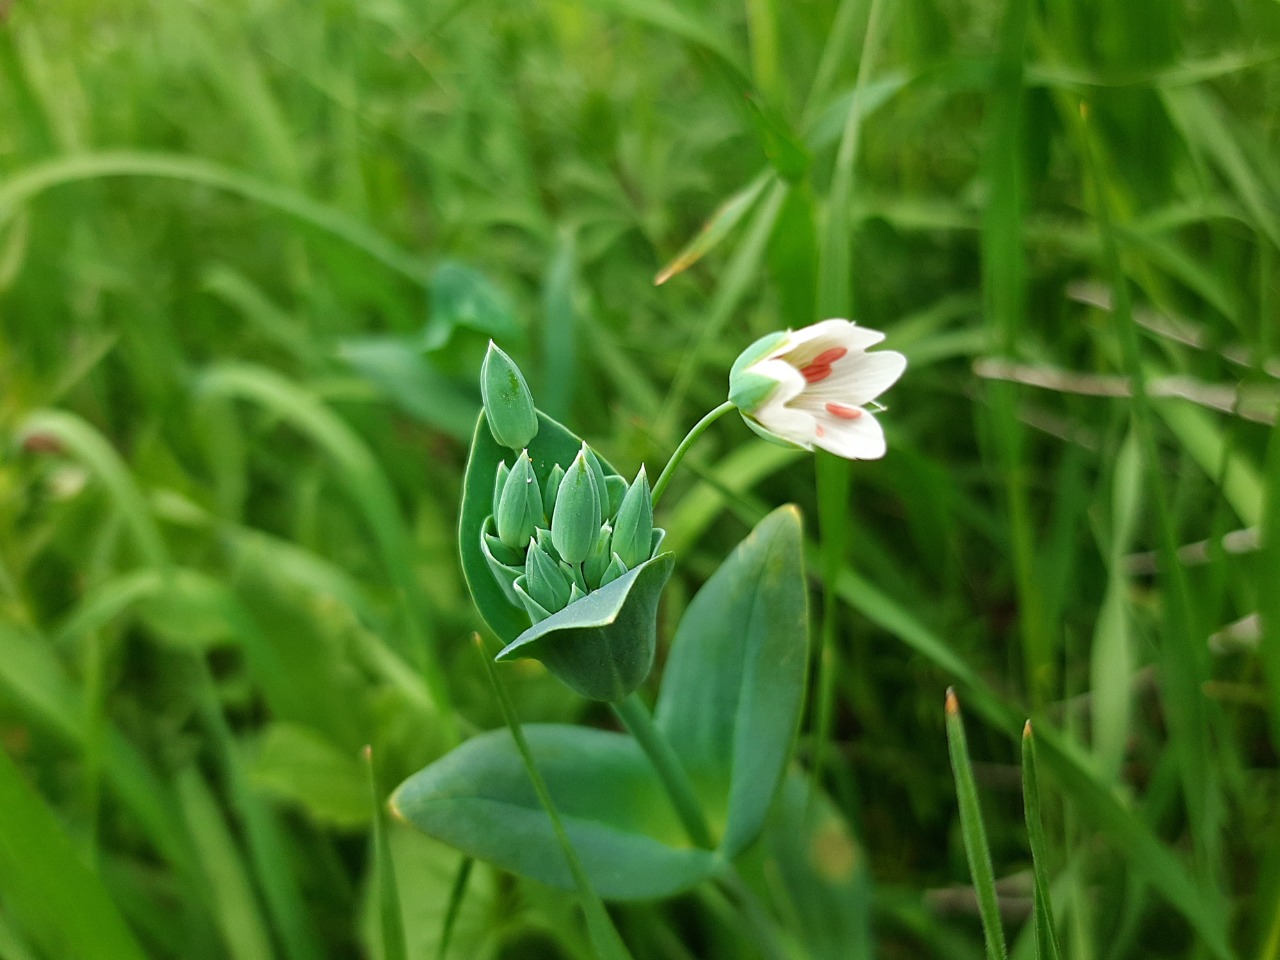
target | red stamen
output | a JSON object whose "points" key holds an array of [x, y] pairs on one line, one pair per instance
{"points": [[815, 372], [819, 368], [843, 411], [818, 430]]}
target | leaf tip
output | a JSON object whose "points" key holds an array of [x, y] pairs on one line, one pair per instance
{"points": [[1026, 730], [953, 704]]}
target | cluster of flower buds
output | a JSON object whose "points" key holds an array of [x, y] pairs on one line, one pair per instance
{"points": [[553, 539]]}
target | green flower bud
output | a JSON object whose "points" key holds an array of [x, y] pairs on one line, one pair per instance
{"points": [[504, 563], [602, 488], [573, 574], [508, 404], [499, 481], [633, 529], [537, 612], [617, 490], [551, 489], [543, 579], [576, 519], [615, 569], [598, 560], [520, 506]]}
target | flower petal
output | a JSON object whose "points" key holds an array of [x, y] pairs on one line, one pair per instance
{"points": [[802, 345], [776, 414], [854, 380], [861, 438], [790, 381]]}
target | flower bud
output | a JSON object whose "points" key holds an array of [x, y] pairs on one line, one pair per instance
{"points": [[537, 612], [551, 489], [602, 488], [573, 575], [503, 562], [508, 404], [597, 561], [499, 481], [633, 529], [615, 569], [542, 578], [617, 488], [575, 523], [520, 506]]}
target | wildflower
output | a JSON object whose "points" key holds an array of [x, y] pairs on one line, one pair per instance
{"points": [[809, 387]]}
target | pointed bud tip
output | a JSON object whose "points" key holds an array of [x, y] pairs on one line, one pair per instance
{"points": [[953, 704], [1026, 730]]}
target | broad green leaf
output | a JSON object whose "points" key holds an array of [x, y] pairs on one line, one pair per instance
{"points": [[603, 645], [479, 799], [731, 696]]}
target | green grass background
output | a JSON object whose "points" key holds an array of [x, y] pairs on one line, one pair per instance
{"points": [[250, 254]]}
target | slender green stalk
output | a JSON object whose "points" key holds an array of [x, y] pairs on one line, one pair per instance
{"points": [[833, 481], [604, 936], [456, 893], [389, 916], [635, 715], [1046, 936], [975, 834], [694, 433]]}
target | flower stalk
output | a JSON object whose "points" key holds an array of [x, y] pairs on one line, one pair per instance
{"points": [[637, 719], [694, 433]]}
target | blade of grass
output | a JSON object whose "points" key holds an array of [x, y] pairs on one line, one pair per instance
{"points": [[742, 271], [456, 894], [58, 902], [390, 922], [834, 296], [369, 490], [1183, 659], [79, 438], [975, 833], [227, 884], [1003, 289], [1046, 935], [559, 330], [39, 177], [1113, 657], [604, 936], [718, 226]]}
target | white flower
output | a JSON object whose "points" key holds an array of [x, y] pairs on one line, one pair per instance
{"points": [[809, 387]]}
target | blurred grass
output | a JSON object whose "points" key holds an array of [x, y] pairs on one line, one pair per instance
{"points": [[250, 255]]}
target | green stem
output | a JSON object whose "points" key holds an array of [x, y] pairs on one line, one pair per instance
{"points": [[604, 935], [694, 433], [635, 715]]}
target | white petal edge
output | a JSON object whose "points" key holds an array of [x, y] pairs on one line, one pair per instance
{"points": [[858, 439], [834, 333]]}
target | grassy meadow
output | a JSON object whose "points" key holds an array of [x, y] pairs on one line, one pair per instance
{"points": [[251, 254]]}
